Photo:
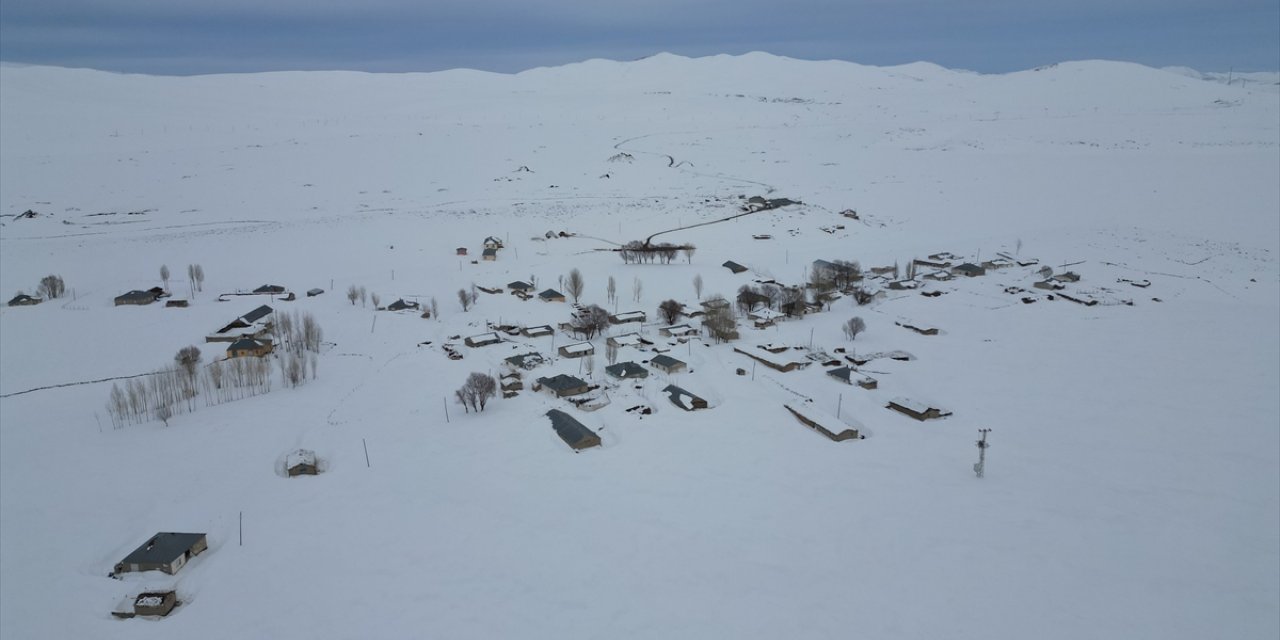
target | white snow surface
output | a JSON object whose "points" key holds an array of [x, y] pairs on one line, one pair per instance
{"points": [[1132, 487]]}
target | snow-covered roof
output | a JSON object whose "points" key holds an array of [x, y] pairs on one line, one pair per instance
{"points": [[486, 337], [300, 456], [765, 314], [626, 340], [580, 347], [830, 423], [665, 361], [629, 315], [915, 405], [680, 330]]}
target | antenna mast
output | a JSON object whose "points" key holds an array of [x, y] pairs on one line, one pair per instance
{"points": [[981, 466]]}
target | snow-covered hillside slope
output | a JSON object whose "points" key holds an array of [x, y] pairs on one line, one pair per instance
{"points": [[1132, 489]]}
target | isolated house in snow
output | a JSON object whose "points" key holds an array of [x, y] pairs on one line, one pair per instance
{"points": [[733, 266], [667, 364], [492, 243], [247, 347], [563, 385], [920, 328], [402, 305], [301, 462], [462, 251], [684, 399], [626, 371], [574, 433], [167, 552], [577, 350], [136, 297], [311, 293], [918, 410], [24, 300], [551, 295], [482, 340]]}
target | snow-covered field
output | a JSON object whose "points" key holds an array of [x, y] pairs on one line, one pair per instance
{"points": [[1132, 489]]}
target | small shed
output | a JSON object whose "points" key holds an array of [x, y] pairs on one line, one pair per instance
{"points": [[462, 251], [577, 350], [269, 289], [551, 295], [179, 304], [626, 370], [482, 340], [301, 462], [147, 603], [311, 293], [246, 347], [563, 385], [918, 410], [733, 266], [667, 364], [684, 399], [167, 552], [24, 300], [574, 433]]}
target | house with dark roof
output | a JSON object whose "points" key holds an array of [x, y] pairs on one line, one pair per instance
{"points": [[525, 361], [684, 399], [968, 269], [626, 370], [667, 364], [520, 285], [136, 297], [246, 347], [255, 324], [269, 289], [462, 251], [849, 375], [733, 266], [492, 243], [563, 385], [24, 300], [167, 552], [574, 433], [551, 295], [489, 254]]}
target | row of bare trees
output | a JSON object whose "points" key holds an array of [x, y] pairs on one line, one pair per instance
{"points": [[637, 252]]}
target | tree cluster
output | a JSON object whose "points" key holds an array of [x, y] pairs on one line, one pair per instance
{"points": [[637, 252], [51, 286], [670, 310], [589, 321], [840, 275], [476, 392], [853, 327], [719, 319]]}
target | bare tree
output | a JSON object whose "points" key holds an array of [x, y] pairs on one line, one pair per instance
{"points": [[719, 319], [612, 289], [464, 299], [853, 327], [199, 278], [435, 308], [188, 361], [353, 294], [669, 311], [590, 321], [862, 296], [364, 295], [697, 285], [637, 288], [574, 284], [164, 275], [377, 299], [1046, 272], [611, 352], [51, 286], [689, 250]]}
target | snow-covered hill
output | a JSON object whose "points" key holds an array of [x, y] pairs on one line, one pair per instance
{"points": [[1133, 485]]}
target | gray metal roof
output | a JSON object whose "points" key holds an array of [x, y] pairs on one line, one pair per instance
{"points": [[550, 293], [665, 361], [843, 373], [568, 428], [257, 314], [677, 394], [137, 295], [733, 266], [627, 370], [562, 381], [520, 285], [163, 548], [244, 343]]}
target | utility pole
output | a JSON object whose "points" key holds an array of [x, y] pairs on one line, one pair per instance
{"points": [[981, 466]]}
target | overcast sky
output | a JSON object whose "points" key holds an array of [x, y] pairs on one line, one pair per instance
{"points": [[992, 36]]}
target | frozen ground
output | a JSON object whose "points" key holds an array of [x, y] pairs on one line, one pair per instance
{"points": [[1133, 485]]}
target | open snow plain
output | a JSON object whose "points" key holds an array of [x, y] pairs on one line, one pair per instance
{"points": [[1132, 488]]}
